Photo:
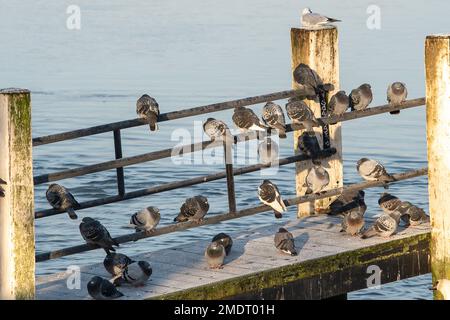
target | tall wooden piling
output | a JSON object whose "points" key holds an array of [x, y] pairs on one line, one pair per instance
{"points": [[437, 65], [318, 48], [17, 262]]}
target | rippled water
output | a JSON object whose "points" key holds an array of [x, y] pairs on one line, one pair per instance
{"points": [[189, 53]]}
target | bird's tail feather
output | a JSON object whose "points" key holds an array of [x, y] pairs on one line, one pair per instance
{"points": [[72, 214], [395, 112], [369, 233], [152, 121], [277, 214]]}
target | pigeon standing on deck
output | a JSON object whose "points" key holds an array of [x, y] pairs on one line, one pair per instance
{"points": [[413, 215], [61, 199], [385, 226], [93, 232], [245, 119], [268, 151], [311, 19], [146, 219], [338, 104], [101, 289], [308, 145], [361, 97], [299, 112], [284, 241], [353, 221], [137, 273], [116, 264], [215, 255], [2, 191], [193, 209], [389, 203], [224, 240], [218, 130], [273, 116], [372, 170], [269, 195], [147, 108], [396, 94], [316, 179], [345, 202]]}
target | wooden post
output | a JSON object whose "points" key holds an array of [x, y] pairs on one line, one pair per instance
{"points": [[17, 261], [437, 65], [318, 48]]}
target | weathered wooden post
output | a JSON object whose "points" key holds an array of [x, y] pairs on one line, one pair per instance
{"points": [[318, 48], [437, 65], [17, 264]]}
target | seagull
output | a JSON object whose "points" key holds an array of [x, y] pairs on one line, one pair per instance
{"points": [[284, 241], [137, 273], [215, 255], [224, 240], [396, 94], [146, 219], [217, 129], [268, 151], [338, 104], [245, 119], [116, 264], [385, 226], [345, 202], [2, 191], [61, 199], [273, 116], [308, 145], [193, 209], [311, 19], [316, 179], [147, 108], [269, 195], [101, 289], [299, 112], [443, 286], [372, 170], [361, 97], [353, 221], [93, 232]]}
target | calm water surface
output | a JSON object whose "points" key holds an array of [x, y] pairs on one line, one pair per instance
{"points": [[189, 53]]}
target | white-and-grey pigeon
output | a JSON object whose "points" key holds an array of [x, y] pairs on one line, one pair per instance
{"points": [[385, 226], [61, 199], [396, 94], [372, 170], [245, 120], [269, 194], [316, 179], [284, 241], [215, 255], [193, 209], [361, 97], [218, 130], [338, 104], [137, 273], [273, 117], [299, 112], [147, 108], [116, 264], [353, 222], [101, 289], [146, 219]]}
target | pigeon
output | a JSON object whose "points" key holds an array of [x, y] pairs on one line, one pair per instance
{"points": [[385, 226], [93, 232], [2, 191], [146, 219], [443, 286], [299, 112], [396, 94], [116, 263], [413, 215], [361, 97], [311, 19], [215, 255], [193, 209], [101, 289], [269, 195], [273, 117], [345, 202], [353, 221], [147, 108], [309, 81], [61, 199], [224, 240], [338, 104], [372, 170], [284, 241], [268, 151], [217, 129], [316, 179], [137, 273], [308, 145], [389, 203], [245, 119]]}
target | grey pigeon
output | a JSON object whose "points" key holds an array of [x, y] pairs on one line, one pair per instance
{"points": [[385, 226], [269, 194], [115, 264], [273, 116], [137, 273], [353, 221], [245, 119], [361, 97], [61, 199], [338, 104], [284, 241], [389, 203], [146, 219], [224, 240], [101, 289], [413, 215], [268, 151], [316, 179], [218, 130], [2, 191], [345, 202], [215, 255], [299, 112], [396, 94], [93, 232], [308, 145], [313, 20], [147, 108], [310, 82], [193, 209], [372, 170]]}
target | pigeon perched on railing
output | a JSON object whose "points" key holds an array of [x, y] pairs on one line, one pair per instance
{"points": [[116, 263], [146, 219], [396, 94], [193, 209], [2, 191], [385, 226], [268, 151], [316, 179], [339, 103], [137, 273], [353, 222], [61, 199], [310, 82], [372, 170], [269, 194], [299, 112], [245, 119], [311, 19], [284, 241], [361, 97], [147, 108], [218, 130], [308, 145], [345, 202], [224, 240], [101, 289], [215, 255], [273, 116], [93, 232]]}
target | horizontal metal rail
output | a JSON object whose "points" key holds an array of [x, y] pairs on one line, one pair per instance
{"points": [[166, 153], [183, 183], [227, 216]]}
